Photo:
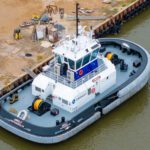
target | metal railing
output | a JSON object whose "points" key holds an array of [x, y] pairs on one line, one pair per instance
{"points": [[73, 84]]}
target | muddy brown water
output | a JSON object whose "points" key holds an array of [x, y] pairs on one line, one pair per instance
{"points": [[125, 128]]}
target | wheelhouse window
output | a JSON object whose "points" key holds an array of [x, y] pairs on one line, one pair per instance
{"points": [[78, 63], [58, 58], [65, 59], [86, 59], [71, 64], [94, 54], [93, 47]]}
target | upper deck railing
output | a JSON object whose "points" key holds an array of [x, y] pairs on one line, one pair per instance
{"points": [[73, 84]]}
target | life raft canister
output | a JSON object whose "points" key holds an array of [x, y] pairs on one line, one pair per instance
{"points": [[81, 72]]}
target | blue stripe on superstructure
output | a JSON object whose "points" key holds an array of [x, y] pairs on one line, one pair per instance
{"points": [[86, 69]]}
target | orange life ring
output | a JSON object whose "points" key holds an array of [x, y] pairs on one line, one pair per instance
{"points": [[81, 72]]}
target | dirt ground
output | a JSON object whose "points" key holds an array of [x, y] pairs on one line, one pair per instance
{"points": [[12, 52], [12, 13]]}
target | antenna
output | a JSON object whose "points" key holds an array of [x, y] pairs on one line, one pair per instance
{"points": [[77, 19], [91, 32]]}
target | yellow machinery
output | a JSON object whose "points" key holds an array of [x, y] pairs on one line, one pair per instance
{"points": [[37, 104], [39, 107], [35, 17], [109, 56], [17, 34], [14, 99]]}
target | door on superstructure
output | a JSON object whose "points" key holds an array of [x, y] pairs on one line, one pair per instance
{"points": [[97, 88], [63, 69], [97, 85]]}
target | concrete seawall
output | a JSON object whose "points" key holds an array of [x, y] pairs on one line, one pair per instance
{"points": [[113, 24]]}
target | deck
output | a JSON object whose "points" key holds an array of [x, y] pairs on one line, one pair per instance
{"points": [[47, 120]]}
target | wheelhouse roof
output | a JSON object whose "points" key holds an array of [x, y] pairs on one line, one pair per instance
{"points": [[76, 48]]}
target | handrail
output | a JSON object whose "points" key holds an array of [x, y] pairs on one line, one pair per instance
{"points": [[74, 84]]}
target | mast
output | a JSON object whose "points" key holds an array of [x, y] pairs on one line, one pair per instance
{"points": [[77, 19]]}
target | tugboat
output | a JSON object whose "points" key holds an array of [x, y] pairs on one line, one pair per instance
{"points": [[85, 80]]}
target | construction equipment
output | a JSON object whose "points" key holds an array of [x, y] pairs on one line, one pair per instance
{"points": [[45, 18], [27, 24], [34, 35], [61, 12], [17, 34], [36, 17], [52, 9], [53, 37], [13, 99]]}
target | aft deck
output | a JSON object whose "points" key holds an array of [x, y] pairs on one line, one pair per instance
{"points": [[47, 120]]}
